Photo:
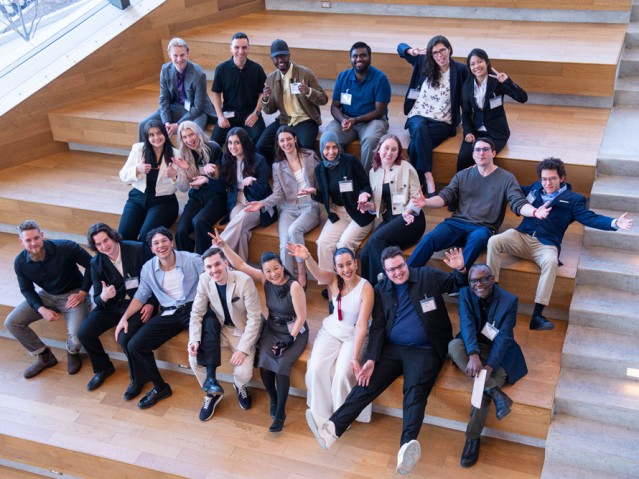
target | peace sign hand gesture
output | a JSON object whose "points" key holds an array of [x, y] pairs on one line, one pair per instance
{"points": [[500, 77]]}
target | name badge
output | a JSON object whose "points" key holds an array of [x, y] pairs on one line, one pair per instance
{"points": [[187, 105], [345, 186], [345, 98], [413, 94], [496, 102], [169, 312], [130, 283], [428, 304], [400, 198], [489, 331], [166, 180], [295, 88], [237, 333], [228, 114], [530, 198]]}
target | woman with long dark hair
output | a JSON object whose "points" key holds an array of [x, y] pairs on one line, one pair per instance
{"points": [[483, 111], [207, 196], [245, 174], [334, 365], [294, 184], [285, 332], [155, 177], [432, 102]]}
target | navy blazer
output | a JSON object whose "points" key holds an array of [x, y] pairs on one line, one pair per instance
{"points": [[458, 75], [494, 119], [505, 352], [194, 88], [422, 281], [134, 255], [350, 168], [566, 208]]}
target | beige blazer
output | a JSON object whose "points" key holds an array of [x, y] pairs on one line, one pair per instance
{"points": [[243, 303], [404, 184]]}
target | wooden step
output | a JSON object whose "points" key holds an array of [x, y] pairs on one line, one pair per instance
{"points": [[538, 131], [557, 58], [616, 5], [53, 422]]}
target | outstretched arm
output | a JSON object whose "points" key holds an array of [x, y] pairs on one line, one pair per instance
{"points": [[321, 275], [235, 260]]}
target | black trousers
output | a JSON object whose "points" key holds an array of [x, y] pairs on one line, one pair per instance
{"points": [[255, 131], [394, 232], [201, 212], [306, 132], [99, 321], [139, 216], [420, 368], [465, 157]]}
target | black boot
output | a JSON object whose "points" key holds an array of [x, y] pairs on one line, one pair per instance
{"points": [[502, 402]]}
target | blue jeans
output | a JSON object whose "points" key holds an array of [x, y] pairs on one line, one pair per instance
{"points": [[452, 232]]}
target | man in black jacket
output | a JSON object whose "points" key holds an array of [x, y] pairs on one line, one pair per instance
{"points": [[115, 272], [409, 335]]}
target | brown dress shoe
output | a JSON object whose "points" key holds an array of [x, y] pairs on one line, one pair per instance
{"points": [[74, 363], [44, 360]]}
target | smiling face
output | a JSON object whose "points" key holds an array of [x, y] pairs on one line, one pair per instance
{"points": [[360, 60], [551, 181], [388, 152], [282, 62], [274, 272], [161, 246], [156, 138], [189, 138], [483, 154], [105, 245], [481, 282], [217, 268], [179, 57], [235, 146], [345, 266], [396, 269], [330, 151], [478, 67], [240, 50], [441, 55], [286, 142], [32, 241]]}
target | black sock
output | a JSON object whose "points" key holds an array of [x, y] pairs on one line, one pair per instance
{"points": [[268, 378], [282, 384], [210, 371], [539, 308]]}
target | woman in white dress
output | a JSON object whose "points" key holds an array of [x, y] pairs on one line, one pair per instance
{"points": [[334, 366]]}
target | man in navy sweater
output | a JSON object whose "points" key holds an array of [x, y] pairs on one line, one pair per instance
{"points": [[540, 241]]}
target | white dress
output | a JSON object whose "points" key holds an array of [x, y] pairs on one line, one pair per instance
{"points": [[329, 377]]}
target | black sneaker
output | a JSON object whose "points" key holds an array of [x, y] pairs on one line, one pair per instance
{"points": [[244, 397], [208, 408], [540, 323]]}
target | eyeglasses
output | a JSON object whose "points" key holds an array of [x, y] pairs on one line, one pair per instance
{"points": [[477, 281], [550, 180], [440, 52], [480, 149], [395, 268]]}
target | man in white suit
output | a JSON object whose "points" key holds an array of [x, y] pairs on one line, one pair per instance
{"points": [[233, 297]]}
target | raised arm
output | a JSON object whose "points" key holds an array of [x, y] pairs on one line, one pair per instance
{"points": [[321, 275], [235, 260]]}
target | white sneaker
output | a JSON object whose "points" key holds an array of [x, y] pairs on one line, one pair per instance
{"points": [[324, 431], [408, 456]]}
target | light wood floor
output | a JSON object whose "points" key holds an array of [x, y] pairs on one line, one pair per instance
{"points": [[57, 410]]}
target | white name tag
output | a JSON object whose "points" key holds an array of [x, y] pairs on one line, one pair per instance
{"points": [[187, 105], [496, 102], [228, 114], [428, 304], [489, 331], [400, 198], [413, 94], [130, 283], [530, 198], [345, 98], [237, 333], [169, 312], [346, 186], [295, 88]]}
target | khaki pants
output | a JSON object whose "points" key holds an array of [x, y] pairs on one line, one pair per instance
{"points": [[344, 233]]}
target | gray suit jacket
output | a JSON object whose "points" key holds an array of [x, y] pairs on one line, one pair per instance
{"points": [[243, 303], [194, 87]]}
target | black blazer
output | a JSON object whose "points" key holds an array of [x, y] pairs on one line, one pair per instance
{"points": [[458, 75], [494, 119], [502, 311], [134, 255], [422, 281], [352, 169]]}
